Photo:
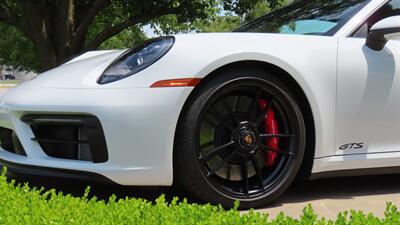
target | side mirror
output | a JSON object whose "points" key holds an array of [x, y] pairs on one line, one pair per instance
{"points": [[376, 39]]}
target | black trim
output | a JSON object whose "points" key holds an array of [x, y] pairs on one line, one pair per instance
{"points": [[58, 141], [96, 138], [295, 6], [360, 25], [387, 31], [370, 153], [22, 169], [91, 124], [9, 141], [376, 39], [18, 148], [355, 172], [52, 120]]}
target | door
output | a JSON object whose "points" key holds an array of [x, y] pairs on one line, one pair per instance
{"points": [[368, 91]]}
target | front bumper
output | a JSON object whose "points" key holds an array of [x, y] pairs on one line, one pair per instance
{"points": [[15, 169], [139, 127]]}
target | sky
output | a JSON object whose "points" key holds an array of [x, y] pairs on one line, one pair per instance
{"points": [[149, 31]]}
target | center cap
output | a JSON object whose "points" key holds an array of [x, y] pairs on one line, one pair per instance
{"points": [[247, 138]]}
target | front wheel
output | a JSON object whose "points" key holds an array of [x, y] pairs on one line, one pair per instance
{"points": [[241, 137]]}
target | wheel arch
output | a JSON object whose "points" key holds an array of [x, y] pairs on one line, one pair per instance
{"points": [[286, 78]]}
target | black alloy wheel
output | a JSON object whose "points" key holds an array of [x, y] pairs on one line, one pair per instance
{"points": [[239, 138]]}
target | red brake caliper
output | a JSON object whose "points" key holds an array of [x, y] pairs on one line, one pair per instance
{"points": [[271, 127]]}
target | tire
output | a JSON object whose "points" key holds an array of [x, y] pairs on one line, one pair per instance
{"points": [[234, 106]]}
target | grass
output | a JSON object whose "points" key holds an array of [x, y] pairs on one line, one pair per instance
{"points": [[8, 83], [21, 204]]}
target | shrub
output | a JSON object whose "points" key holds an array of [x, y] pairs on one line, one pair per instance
{"points": [[20, 204]]}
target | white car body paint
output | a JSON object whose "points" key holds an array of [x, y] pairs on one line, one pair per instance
{"points": [[387, 23], [139, 122], [88, 55]]}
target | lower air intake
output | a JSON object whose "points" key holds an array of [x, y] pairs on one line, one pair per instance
{"points": [[10, 142], [84, 152], [69, 137]]}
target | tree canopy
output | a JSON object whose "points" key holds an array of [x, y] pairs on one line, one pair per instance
{"points": [[41, 34]]}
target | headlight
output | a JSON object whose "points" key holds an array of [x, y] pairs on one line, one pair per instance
{"points": [[137, 59]]}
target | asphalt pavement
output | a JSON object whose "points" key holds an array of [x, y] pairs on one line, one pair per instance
{"points": [[328, 197]]}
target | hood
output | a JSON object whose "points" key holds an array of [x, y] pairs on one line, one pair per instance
{"points": [[80, 72]]}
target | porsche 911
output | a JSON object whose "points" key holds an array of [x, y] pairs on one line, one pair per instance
{"points": [[311, 90]]}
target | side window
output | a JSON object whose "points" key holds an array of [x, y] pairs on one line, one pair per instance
{"points": [[392, 8]]}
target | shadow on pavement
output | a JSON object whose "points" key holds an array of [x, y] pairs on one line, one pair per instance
{"points": [[303, 191]]}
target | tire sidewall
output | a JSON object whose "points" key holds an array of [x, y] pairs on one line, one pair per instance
{"points": [[198, 183]]}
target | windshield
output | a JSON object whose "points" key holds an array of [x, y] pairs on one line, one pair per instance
{"points": [[317, 17]]}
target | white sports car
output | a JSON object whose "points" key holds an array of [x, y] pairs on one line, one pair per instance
{"points": [[310, 90]]}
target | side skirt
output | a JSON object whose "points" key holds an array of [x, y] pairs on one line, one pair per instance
{"points": [[355, 172]]}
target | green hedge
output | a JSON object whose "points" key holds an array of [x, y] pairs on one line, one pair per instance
{"points": [[20, 204]]}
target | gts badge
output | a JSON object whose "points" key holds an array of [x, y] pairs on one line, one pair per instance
{"points": [[353, 146]]}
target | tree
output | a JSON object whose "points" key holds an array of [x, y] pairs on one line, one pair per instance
{"points": [[219, 19], [16, 50], [261, 8], [60, 29]]}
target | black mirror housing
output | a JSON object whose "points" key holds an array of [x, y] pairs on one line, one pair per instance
{"points": [[376, 39]]}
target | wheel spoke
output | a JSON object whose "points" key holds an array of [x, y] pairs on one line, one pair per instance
{"points": [[264, 112], [276, 135], [235, 106], [216, 115], [233, 139], [219, 119], [230, 111], [258, 171], [216, 150], [208, 144], [220, 164], [210, 122], [228, 172], [228, 127], [245, 178], [275, 172], [265, 148], [254, 104], [282, 152]]}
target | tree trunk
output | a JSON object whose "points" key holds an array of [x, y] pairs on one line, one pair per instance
{"points": [[47, 57], [58, 29], [63, 26]]}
